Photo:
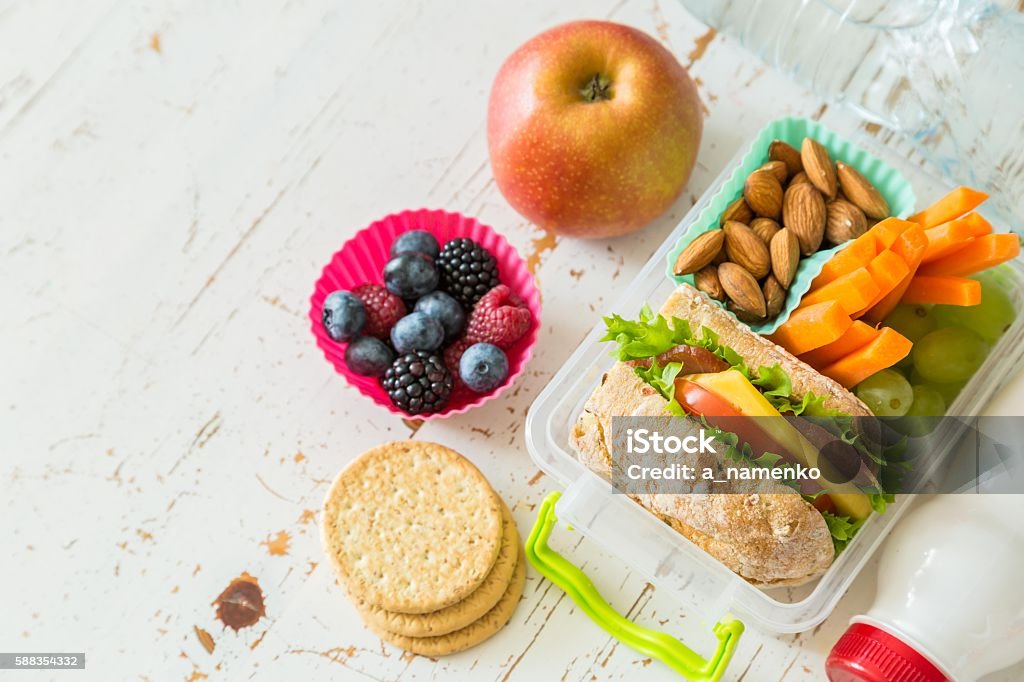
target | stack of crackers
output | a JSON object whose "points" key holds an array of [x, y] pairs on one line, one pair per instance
{"points": [[424, 547]]}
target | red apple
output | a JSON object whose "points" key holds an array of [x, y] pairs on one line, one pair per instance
{"points": [[593, 129]]}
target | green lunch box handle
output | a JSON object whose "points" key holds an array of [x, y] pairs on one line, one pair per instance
{"points": [[659, 645]]}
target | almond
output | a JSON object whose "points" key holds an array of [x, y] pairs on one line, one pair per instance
{"points": [[774, 296], [862, 193], [818, 166], [780, 151], [742, 288], [720, 257], [844, 221], [706, 280], [737, 210], [742, 315], [746, 249], [700, 252], [803, 212], [763, 194], [778, 169], [765, 228], [799, 178], [785, 253]]}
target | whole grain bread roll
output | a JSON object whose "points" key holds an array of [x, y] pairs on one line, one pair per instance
{"points": [[769, 539]]}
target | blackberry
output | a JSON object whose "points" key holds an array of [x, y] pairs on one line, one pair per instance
{"points": [[468, 271], [418, 382]]}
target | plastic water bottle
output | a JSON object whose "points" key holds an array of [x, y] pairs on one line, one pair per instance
{"points": [[948, 74]]}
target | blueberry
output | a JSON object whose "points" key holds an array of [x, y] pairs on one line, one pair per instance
{"points": [[369, 356], [416, 240], [343, 315], [410, 275], [416, 331], [483, 367], [445, 310]]}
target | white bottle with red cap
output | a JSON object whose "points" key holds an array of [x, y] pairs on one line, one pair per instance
{"points": [[950, 599]]}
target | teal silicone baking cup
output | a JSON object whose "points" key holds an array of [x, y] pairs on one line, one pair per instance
{"points": [[893, 186]]}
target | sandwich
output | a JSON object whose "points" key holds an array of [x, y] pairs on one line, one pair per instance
{"points": [[696, 361]]}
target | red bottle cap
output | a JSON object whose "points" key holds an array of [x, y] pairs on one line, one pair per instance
{"points": [[867, 654]]}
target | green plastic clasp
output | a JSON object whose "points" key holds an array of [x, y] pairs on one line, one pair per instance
{"points": [[659, 645]]}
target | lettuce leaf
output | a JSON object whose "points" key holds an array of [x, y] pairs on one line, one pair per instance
{"points": [[652, 334], [881, 501], [773, 382], [647, 336], [842, 529], [664, 379]]}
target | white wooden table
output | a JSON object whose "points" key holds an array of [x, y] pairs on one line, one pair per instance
{"points": [[172, 178]]}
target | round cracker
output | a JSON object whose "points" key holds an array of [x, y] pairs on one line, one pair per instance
{"points": [[411, 527], [474, 633], [459, 614]]}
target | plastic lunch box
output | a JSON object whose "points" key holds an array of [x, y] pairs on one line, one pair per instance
{"points": [[667, 559]]}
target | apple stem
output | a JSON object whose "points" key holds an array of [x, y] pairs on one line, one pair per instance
{"points": [[597, 89]]}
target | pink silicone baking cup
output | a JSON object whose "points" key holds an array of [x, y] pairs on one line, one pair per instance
{"points": [[362, 259]]}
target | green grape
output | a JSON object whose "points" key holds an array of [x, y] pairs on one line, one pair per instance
{"points": [[912, 321], [928, 402], [989, 319], [923, 415], [949, 392], [886, 393], [949, 355]]}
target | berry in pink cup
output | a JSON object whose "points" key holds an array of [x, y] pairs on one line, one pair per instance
{"points": [[361, 260]]}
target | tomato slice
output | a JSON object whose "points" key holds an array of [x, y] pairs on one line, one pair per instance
{"points": [[824, 503], [699, 401], [719, 412]]}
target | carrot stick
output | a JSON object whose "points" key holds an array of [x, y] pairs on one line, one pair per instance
{"points": [[947, 238], [943, 289], [910, 247], [888, 231], [856, 254], [885, 350], [888, 270], [858, 335], [812, 327], [978, 226], [980, 254], [853, 291], [953, 205]]}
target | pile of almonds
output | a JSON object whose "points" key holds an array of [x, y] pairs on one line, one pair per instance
{"points": [[793, 205]]}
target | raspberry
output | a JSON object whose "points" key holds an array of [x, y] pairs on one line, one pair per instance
{"points": [[499, 317], [383, 309], [452, 355]]}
